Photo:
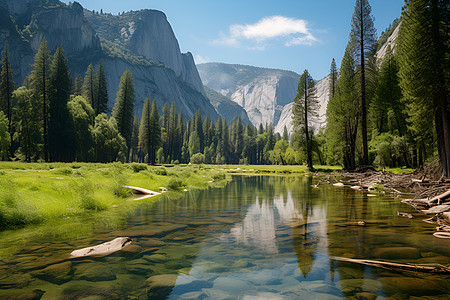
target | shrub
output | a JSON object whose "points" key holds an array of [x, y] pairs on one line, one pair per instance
{"points": [[175, 184], [138, 167], [197, 159]]}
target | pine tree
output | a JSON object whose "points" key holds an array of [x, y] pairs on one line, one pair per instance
{"points": [[155, 133], [135, 139], [6, 86], [78, 86], [343, 113], [27, 125], [423, 50], [333, 79], [363, 37], [5, 138], [40, 84], [124, 108], [144, 130], [285, 134], [88, 89], [239, 142], [101, 92], [198, 127], [305, 107], [61, 142], [180, 137]]}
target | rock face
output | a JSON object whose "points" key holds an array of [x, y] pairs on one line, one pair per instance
{"points": [[142, 41], [322, 94], [261, 92], [225, 107]]}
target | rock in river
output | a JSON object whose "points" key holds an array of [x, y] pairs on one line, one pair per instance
{"points": [[160, 286], [397, 253]]}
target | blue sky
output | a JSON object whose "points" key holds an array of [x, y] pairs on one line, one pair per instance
{"points": [[285, 34]]}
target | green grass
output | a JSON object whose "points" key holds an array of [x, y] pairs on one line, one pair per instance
{"points": [[38, 192], [397, 170], [270, 169]]}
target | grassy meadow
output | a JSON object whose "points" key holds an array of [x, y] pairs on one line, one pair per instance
{"points": [[36, 192]]}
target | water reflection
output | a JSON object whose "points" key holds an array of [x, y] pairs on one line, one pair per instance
{"points": [[259, 237]]}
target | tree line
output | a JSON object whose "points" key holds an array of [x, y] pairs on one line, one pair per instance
{"points": [[53, 117], [389, 113]]}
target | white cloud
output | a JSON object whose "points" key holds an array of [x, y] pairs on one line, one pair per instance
{"points": [[292, 31], [201, 59]]}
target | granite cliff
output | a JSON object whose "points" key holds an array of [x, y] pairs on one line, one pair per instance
{"points": [[142, 41], [266, 94], [261, 92]]}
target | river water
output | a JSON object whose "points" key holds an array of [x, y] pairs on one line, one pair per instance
{"points": [[260, 237]]}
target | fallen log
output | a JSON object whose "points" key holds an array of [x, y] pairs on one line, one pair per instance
{"points": [[435, 269], [103, 249], [437, 209]]}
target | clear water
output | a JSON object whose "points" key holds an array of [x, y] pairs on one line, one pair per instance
{"points": [[259, 237]]}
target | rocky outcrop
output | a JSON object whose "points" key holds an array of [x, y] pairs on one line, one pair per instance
{"points": [[148, 34], [65, 26], [391, 41], [261, 92], [225, 107], [141, 41]]}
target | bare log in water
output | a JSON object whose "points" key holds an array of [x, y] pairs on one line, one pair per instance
{"points": [[435, 269]]}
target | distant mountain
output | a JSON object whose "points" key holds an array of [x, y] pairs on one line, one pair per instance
{"points": [[266, 94], [225, 107], [142, 41], [261, 92]]}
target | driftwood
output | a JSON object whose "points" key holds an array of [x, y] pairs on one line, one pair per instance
{"points": [[103, 249], [435, 269]]}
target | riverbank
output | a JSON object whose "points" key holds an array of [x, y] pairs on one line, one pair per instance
{"points": [[425, 190], [36, 192]]}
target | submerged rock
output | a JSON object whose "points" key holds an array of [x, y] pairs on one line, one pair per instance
{"points": [[94, 272], [160, 286], [397, 253], [58, 273], [34, 295]]}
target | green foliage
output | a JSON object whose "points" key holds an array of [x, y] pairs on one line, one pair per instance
{"points": [[40, 84], [304, 109], [197, 159], [82, 116], [109, 145], [5, 139], [60, 126], [6, 86], [88, 88], [101, 92], [124, 107], [423, 56], [175, 184], [343, 115]]}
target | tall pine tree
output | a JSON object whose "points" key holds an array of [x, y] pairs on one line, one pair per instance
{"points": [[333, 79], [61, 143], [88, 89], [124, 108], [363, 37], [6, 86], [101, 92], [424, 68], [305, 107], [40, 77]]}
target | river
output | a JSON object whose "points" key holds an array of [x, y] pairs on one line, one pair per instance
{"points": [[259, 237]]}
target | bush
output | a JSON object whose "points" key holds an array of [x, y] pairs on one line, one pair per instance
{"points": [[138, 167], [175, 184], [197, 159], [161, 171], [218, 176]]}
